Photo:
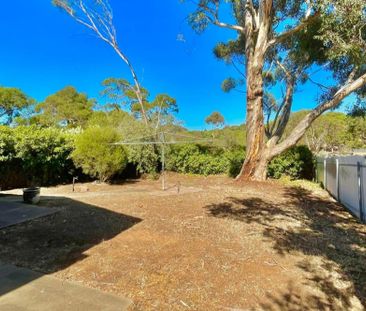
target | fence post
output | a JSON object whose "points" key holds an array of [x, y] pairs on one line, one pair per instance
{"points": [[337, 178], [325, 173], [360, 199]]}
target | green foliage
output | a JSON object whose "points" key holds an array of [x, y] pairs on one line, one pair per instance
{"points": [[204, 160], [235, 156], [228, 137], [7, 150], [343, 28], [145, 157], [297, 162], [44, 152], [215, 119], [66, 107], [125, 95], [35, 155], [330, 132], [356, 132], [12, 102], [96, 155]]}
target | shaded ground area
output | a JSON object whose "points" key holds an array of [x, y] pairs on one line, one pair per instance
{"points": [[13, 211], [214, 246], [39, 292]]}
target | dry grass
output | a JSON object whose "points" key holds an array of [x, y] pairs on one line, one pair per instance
{"points": [[216, 245]]}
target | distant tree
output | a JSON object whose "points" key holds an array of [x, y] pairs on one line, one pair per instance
{"points": [[12, 103], [66, 107], [327, 133], [97, 156], [215, 119], [356, 132], [124, 95], [98, 17]]}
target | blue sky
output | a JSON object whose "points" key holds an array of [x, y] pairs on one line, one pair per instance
{"points": [[44, 50]]}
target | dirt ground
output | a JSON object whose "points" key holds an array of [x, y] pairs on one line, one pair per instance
{"points": [[215, 245]]}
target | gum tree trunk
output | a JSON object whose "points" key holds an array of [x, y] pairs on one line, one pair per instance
{"points": [[254, 166]]}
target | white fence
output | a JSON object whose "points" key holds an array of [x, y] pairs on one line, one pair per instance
{"points": [[345, 179]]}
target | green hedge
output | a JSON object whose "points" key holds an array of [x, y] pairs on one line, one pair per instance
{"points": [[297, 162], [33, 155], [204, 160]]}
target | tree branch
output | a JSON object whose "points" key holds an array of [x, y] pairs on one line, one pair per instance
{"points": [[284, 35], [305, 123], [108, 35]]}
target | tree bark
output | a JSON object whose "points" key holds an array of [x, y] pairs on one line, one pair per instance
{"points": [[256, 33], [253, 167]]}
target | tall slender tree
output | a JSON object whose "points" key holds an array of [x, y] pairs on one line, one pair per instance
{"points": [[280, 43], [97, 15]]}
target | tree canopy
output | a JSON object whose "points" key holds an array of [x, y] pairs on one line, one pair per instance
{"points": [[215, 119], [12, 103], [122, 94], [66, 107]]}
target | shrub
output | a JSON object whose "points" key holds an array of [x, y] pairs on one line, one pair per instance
{"points": [[204, 160], [33, 155], [235, 156], [96, 155], [297, 162]]}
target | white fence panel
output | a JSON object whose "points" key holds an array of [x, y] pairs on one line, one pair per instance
{"points": [[348, 187], [345, 178], [331, 178]]}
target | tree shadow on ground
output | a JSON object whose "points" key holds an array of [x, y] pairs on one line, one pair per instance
{"points": [[54, 242], [316, 227]]}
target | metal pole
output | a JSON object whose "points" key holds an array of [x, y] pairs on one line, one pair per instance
{"points": [[162, 140], [163, 166]]}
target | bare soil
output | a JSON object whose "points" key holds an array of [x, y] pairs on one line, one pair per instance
{"points": [[215, 245]]}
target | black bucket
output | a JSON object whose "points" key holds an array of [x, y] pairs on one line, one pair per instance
{"points": [[32, 195]]}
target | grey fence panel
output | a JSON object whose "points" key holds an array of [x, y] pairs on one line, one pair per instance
{"points": [[331, 177], [320, 171]]}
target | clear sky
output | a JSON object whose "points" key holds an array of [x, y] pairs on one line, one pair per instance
{"points": [[43, 50]]}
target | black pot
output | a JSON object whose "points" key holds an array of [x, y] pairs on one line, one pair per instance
{"points": [[32, 195]]}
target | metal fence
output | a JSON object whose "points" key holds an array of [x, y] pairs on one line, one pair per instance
{"points": [[345, 179]]}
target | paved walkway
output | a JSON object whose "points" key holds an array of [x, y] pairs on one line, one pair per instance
{"points": [[14, 212], [24, 290]]}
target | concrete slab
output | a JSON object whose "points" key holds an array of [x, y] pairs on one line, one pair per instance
{"points": [[24, 290], [14, 212]]}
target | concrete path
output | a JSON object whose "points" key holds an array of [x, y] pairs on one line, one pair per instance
{"points": [[24, 290], [14, 212]]}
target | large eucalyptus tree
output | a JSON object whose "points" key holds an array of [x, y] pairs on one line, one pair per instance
{"points": [[281, 42]]}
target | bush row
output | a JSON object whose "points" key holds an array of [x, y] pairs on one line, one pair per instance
{"points": [[205, 160], [44, 156], [297, 162]]}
